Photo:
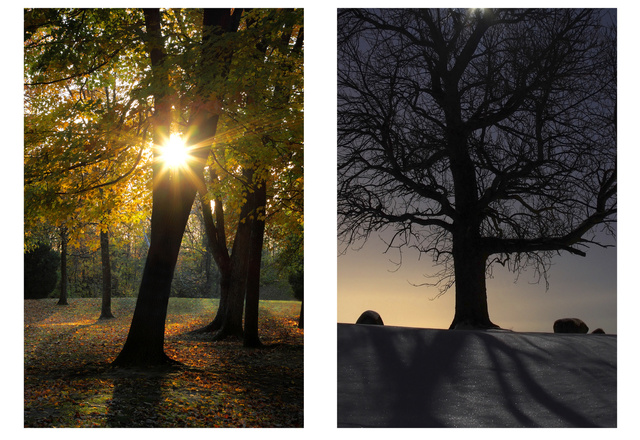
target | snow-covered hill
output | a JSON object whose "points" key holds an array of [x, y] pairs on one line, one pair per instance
{"points": [[407, 377]]}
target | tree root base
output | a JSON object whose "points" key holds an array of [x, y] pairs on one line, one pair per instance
{"points": [[469, 324]]}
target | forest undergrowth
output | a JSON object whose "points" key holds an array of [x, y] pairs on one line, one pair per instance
{"points": [[68, 380]]}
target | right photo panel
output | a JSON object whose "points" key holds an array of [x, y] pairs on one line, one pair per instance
{"points": [[477, 218]]}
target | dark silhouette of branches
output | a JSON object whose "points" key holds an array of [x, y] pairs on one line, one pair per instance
{"points": [[477, 133]]}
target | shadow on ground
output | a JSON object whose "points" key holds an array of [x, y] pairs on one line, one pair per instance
{"points": [[404, 377]]}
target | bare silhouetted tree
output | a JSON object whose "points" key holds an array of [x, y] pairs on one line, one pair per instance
{"points": [[477, 136]]}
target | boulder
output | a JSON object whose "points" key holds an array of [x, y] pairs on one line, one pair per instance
{"points": [[598, 330], [570, 325], [370, 317]]}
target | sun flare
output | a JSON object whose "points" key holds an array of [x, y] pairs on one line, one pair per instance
{"points": [[175, 154]]}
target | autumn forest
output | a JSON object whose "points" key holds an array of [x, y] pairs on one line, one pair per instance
{"points": [[163, 217]]}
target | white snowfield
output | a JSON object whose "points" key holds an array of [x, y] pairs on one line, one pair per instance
{"points": [[408, 377]]}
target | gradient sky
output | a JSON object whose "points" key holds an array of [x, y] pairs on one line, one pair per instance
{"points": [[582, 287]]}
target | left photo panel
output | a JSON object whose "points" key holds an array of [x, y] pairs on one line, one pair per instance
{"points": [[163, 218]]}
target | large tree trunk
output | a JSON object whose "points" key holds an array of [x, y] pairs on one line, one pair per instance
{"points": [[63, 266], [172, 196], [469, 258], [471, 310], [105, 312], [251, 337], [170, 212], [173, 192]]}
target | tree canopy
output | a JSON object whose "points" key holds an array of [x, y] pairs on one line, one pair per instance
{"points": [[105, 91], [477, 136]]}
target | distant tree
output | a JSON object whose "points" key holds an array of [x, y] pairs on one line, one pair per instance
{"points": [[105, 311], [84, 132], [296, 280], [64, 241], [40, 271], [477, 136]]}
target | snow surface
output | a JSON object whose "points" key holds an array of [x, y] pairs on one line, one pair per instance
{"points": [[409, 377]]}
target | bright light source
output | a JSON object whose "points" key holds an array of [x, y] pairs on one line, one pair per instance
{"points": [[175, 154]]}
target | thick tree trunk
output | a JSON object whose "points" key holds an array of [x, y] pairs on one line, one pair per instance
{"points": [[63, 267], [172, 196], [105, 312], [251, 337], [173, 193], [471, 310], [469, 258], [172, 200]]}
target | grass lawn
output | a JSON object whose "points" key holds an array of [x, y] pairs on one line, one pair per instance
{"points": [[69, 382]]}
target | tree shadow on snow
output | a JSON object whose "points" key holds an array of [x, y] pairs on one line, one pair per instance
{"points": [[400, 377]]}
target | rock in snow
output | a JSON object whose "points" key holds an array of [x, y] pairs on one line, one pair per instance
{"points": [[370, 317], [570, 325]]}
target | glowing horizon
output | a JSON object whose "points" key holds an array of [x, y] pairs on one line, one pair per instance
{"points": [[581, 287]]}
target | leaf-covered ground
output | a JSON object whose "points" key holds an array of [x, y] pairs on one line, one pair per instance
{"points": [[69, 382]]}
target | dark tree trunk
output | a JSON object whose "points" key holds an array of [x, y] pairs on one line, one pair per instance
{"points": [[471, 310], [173, 193], [145, 342], [301, 319], [105, 312], [251, 337], [214, 21], [469, 258], [63, 266], [216, 240], [231, 320], [216, 323], [172, 196], [233, 270]]}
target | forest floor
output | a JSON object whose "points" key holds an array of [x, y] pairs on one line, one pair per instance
{"points": [[68, 381]]}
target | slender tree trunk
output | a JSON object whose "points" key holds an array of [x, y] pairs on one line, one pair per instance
{"points": [[216, 323], [251, 337], [301, 318], [63, 266], [205, 122], [216, 240], [105, 312], [233, 273]]}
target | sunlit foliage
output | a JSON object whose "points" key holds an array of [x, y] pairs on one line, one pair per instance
{"points": [[89, 106]]}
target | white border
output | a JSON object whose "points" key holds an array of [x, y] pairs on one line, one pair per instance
{"points": [[320, 232]]}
